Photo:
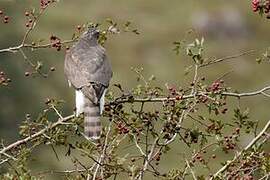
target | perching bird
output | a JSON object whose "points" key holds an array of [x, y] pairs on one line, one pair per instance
{"points": [[88, 70]]}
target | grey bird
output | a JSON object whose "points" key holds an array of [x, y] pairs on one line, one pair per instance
{"points": [[89, 71]]}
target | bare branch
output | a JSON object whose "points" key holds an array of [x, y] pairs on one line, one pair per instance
{"points": [[11, 49], [147, 160], [191, 170], [254, 93], [226, 58], [138, 146]]}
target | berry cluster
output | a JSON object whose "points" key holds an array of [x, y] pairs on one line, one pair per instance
{"points": [[3, 79], [30, 16], [122, 129], [214, 128], [45, 3], [199, 158], [5, 17], [178, 94], [263, 7], [56, 42], [244, 168], [255, 5], [216, 86], [229, 142]]}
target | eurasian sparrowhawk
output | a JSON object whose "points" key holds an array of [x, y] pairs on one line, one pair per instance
{"points": [[88, 70]]}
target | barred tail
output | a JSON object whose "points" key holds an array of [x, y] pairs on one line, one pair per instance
{"points": [[92, 125]]}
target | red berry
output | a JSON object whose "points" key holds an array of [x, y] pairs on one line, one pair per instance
{"points": [[178, 98], [255, 5], [6, 17], [1, 12], [79, 27], [26, 13], [224, 110]]}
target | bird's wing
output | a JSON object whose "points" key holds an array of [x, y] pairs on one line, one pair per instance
{"points": [[88, 68]]}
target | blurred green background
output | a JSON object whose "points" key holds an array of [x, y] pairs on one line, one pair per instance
{"points": [[229, 27]]}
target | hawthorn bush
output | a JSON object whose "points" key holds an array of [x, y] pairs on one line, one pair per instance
{"points": [[143, 124]]}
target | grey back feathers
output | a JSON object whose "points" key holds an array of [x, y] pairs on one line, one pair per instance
{"points": [[88, 70]]}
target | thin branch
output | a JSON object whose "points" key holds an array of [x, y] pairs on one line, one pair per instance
{"points": [[265, 94], [9, 156], [164, 99], [62, 172], [265, 177], [147, 160], [226, 166], [204, 148], [193, 91], [11, 49], [226, 58], [30, 46], [57, 112], [103, 151], [41, 46], [4, 161], [35, 135], [254, 93], [35, 67], [138, 146], [191, 170]]}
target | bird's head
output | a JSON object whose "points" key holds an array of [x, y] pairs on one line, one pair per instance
{"points": [[91, 34]]}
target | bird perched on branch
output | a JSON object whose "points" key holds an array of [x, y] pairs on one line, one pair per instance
{"points": [[88, 70]]}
